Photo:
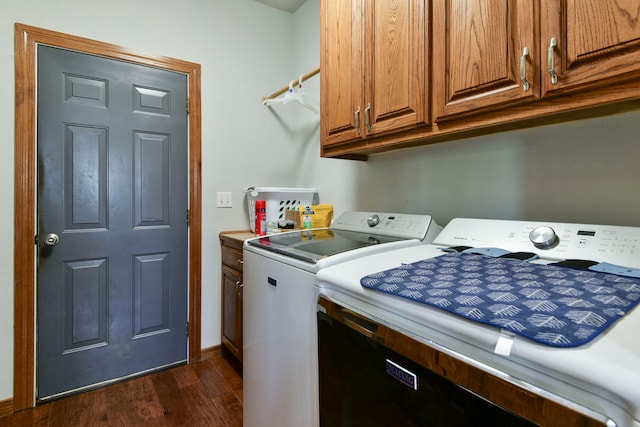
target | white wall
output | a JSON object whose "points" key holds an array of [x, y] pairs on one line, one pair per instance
{"points": [[582, 171], [245, 49]]}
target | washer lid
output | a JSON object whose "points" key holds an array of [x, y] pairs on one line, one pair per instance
{"points": [[315, 244]]}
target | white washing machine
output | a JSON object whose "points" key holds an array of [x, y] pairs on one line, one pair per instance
{"points": [[280, 368], [538, 319]]}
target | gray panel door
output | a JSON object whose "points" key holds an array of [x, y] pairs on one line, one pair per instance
{"points": [[112, 185]]}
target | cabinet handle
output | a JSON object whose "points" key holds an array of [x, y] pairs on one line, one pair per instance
{"points": [[356, 120], [551, 61], [367, 117], [240, 261], [523, 69], [358, 323]]}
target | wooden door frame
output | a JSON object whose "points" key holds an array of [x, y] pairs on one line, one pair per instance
{"points": [[27, 39]]}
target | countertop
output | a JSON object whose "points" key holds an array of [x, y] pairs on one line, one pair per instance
{"points": [[239, 235]]}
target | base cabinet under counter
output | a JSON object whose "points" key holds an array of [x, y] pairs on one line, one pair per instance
{"points": [[232, 262]]}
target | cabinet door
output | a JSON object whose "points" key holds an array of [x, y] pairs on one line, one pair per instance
{"points": [[478, 54], [598, 43], [374, 69], [232, 310], [396, 71], [341, 78]]}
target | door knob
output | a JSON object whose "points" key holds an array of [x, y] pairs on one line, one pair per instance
{"points": [[51, 239]]}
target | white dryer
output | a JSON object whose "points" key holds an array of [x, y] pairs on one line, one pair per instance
{"points": [[529, 323]]}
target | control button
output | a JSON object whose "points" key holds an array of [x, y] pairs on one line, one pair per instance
{"points": [[373, 220], [582, 243], [543, 237]]}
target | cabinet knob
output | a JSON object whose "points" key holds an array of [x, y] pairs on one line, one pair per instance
{"points": [[523, 69], [551, 61], [240, 261]]}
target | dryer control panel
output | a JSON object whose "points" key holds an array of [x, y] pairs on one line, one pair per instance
{"points": [[558, 241]]}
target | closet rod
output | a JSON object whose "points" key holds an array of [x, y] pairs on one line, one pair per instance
{"points": [[296, 82]]}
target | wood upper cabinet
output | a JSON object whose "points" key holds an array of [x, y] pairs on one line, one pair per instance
{"points": [[484, 54], [374, 70], [342, 69], [403, 73], [597, 43], [479, 52]]}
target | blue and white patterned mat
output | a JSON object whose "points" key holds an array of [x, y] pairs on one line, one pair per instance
{"points": [[552, 305]]}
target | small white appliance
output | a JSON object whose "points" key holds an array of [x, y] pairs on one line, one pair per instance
{"points": [[595, 383], [280, 371]]}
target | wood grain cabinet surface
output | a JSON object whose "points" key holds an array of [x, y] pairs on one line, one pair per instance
{"points": [[493, 53], [232, 265], [488, 66], [374, 70], [478, 48], [597, 44]]}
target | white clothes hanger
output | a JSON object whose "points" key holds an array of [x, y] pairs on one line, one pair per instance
{"points": [[297, 94], [288, 95], [305, 99]]}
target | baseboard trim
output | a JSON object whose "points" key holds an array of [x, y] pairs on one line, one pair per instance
{"points": [[210, 352], [6, 407]]}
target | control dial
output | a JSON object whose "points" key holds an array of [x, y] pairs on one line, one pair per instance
{"points": [[543, 237], [373, 220]]}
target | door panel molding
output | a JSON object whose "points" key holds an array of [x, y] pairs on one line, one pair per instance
{"points": [[27, 39]]}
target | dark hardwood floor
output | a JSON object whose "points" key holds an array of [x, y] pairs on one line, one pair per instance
{"points": [[207, 393]]}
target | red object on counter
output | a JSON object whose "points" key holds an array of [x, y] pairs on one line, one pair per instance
{"points": [[261, 217]]}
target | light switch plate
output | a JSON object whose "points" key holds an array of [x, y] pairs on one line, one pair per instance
{"points": [[224, 199]]}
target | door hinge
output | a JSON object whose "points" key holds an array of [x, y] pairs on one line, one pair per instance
{"points": [[187, 105], [188, 218], [187, 329]]}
